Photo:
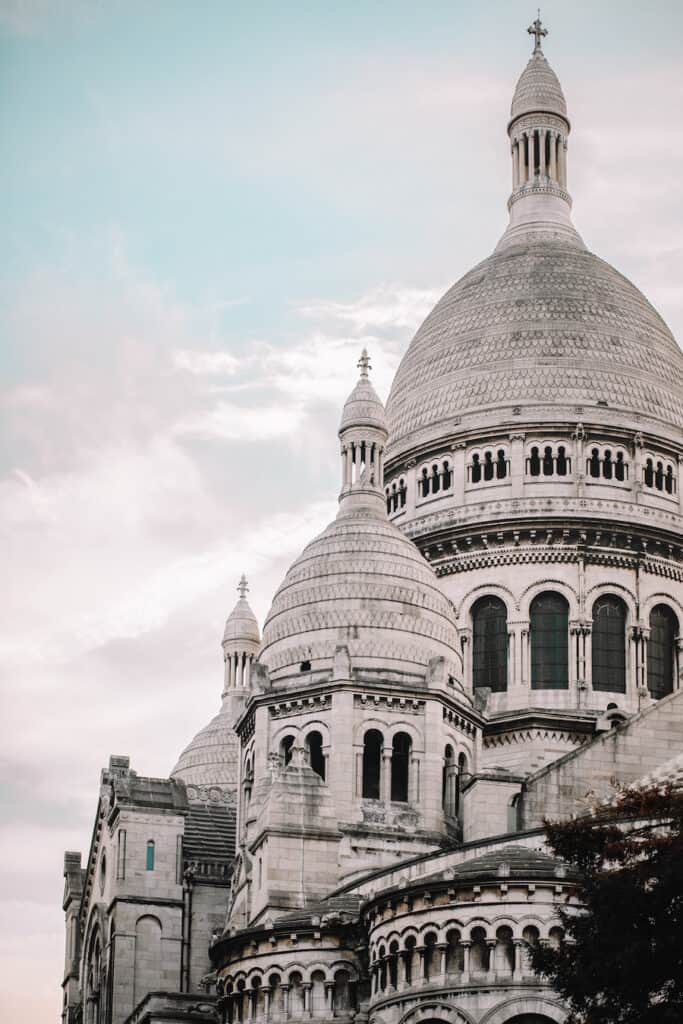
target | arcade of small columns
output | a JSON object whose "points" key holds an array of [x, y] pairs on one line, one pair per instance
{"points": [[238, 666], [539, 152], [469, 948], [359, 456]]}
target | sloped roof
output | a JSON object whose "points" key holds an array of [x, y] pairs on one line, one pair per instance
{"points": [[210, 832]]}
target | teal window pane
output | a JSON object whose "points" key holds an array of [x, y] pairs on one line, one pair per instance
{"points": [[609, 645], [549, 642]]}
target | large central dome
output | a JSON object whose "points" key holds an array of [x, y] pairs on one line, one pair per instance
{"points": [[538, 322]]}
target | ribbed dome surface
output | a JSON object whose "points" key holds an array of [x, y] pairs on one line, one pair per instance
{"points": [[241, 623], [211, 758], [363, 408], [538, 89], [361, 584], [537, 323]]}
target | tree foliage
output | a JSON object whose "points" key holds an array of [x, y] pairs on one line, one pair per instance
{"points": [[622, 958]]}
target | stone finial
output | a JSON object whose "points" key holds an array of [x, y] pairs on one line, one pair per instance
{"points": [[364, 363], [243, 587], [538, 32]]}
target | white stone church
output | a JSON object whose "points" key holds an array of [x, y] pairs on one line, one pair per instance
{"points": [[488, 634]]}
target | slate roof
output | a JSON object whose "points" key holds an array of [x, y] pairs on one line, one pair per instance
{"points": [[210, 832], [505, 864], [148, 792]]}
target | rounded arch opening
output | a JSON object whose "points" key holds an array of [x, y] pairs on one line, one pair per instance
{"points": [[609, 644], [549, 629], [490, 644]]}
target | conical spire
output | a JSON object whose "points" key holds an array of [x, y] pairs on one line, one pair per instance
{"points": [[363, 435]]}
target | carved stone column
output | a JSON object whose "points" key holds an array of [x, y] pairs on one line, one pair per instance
{"points": [[466, 946], [553, 156], [443, 953], [517, 468], [541, 144], [385, 778]]}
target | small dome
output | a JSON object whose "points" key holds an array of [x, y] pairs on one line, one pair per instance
{"points": [[211, 758], [538, 89], [363, 585], [363, 407], [241, 624]]}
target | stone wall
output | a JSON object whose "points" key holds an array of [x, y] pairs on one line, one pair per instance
{"points": [[580, 779]]}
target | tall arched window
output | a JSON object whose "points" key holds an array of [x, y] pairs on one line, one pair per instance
{"points": [[490, 644], [149, 862], [661, 651], [314, 742], [400, 767], [609, 644], [459, 782], [549, 642], [373, 742]]}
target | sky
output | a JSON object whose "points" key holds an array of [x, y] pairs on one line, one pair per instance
{"points": [[208, 210]]}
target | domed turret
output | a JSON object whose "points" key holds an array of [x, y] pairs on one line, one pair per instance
{"points": [[210, 760], [361, 584], [241, 641]]}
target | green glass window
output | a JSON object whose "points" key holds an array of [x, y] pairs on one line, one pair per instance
{"points": [[490, 644], [549, 642], [661, 651], [150, 855], [609, 645]]}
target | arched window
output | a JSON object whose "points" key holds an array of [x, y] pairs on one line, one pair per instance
{"points": [[400, 767], [424, 482], [314, 742], [501, 465], [594, 463], [620, 467], [562, 461], [286, 749], [649, 474], [549, 642], [402, 491], [488, 466], [548, 461], [387, 493], [607, 465], [475, 471], [659, 476], [661, 651], [609, 645], [436, 479], [669, 480], [447, 475], [490, 644], [373, 742], [534, 463], [149, 863]]}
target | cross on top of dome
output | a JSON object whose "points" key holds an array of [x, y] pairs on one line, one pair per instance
{"points": [[243, 587], [364, 363], [538, 32]]}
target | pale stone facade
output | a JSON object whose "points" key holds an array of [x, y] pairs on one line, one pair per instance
{"points": [[489, 632]]}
